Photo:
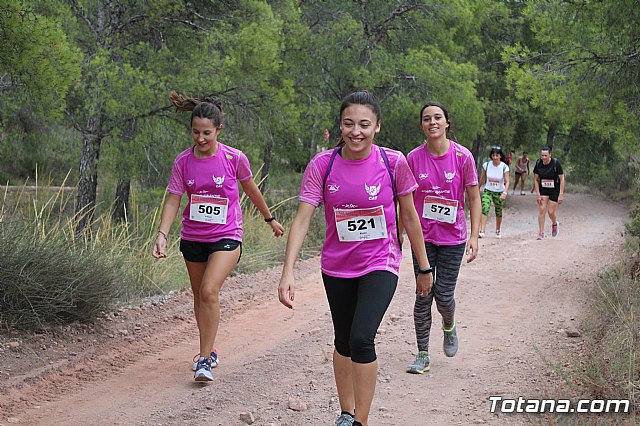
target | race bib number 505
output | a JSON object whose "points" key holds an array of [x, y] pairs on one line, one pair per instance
{"points": [[361, 224], [209, 209]]}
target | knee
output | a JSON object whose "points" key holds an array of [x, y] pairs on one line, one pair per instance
{"points": [[209, 296], [362, 348]]}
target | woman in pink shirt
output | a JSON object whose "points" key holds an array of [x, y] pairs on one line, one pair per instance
{"points": [[211, 236], [445, 171], [358, 182]]}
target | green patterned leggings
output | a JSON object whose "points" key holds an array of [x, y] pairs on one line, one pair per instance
{"points": [[487, 198]]}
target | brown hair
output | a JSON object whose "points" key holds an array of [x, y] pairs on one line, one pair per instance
{"points": [[206, 107]]}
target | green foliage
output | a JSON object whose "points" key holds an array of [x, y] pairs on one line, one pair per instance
{"points": [[36, 56]]}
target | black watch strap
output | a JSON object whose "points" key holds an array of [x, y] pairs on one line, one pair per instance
{"points": [[425, 271], [269, 219]]}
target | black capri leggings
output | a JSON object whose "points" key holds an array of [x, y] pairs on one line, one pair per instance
{"points": [[357, 307]]}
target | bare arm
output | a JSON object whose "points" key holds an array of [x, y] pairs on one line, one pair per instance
{"points": [[507, 181], [561, 196], [253, 192], [297, 234], [411, 223], [475, 213], [169, 213], [483, 178]]}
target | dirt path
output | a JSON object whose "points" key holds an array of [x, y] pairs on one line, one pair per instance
{"points": [[133, 368]]}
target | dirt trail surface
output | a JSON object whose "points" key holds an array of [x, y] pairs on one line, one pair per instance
{"points": [[514, 302]]}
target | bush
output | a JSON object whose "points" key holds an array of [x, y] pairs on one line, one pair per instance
{"points": [[610, 368]]}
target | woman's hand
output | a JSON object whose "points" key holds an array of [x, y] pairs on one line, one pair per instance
{"points": [[278, 230], [424, 282], [503, 196], [286, 290], [160, 246]]}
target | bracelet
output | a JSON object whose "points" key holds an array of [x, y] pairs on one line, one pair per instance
{"points": [[429, 270], [163, 234], [269, 219]]}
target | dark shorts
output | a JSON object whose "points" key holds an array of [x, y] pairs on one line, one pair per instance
{"points": [[553, 195], [195, 251]]}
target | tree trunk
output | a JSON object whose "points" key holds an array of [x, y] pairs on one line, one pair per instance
{"points": [[475, 149], [266, 159], [87, 187], [121, 204], [551, 134]]}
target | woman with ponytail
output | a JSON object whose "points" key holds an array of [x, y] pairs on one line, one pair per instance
{"points": [[211, 236]]}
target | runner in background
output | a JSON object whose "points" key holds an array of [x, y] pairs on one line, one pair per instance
{"points": [[211, 236], [359, 184], [495, 178], [549, 185], [507, 160], [445, 171], [522, 171]]}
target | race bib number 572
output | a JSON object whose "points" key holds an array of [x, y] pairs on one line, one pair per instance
{"points": [[361, 224], [209, 209], [440, 209]]}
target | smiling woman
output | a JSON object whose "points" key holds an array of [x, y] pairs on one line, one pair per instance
{"points": [[359, 184], [211, 240]]}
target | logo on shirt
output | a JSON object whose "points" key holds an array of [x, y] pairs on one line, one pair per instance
{"points": [[191, 182], [333, 188], [449, 176], [229, 156], [219, 181], [423, 176], [373, 191]]}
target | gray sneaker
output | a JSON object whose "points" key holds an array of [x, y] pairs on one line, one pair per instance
{"points": [[421, 364], [345, 419], [450, 342]]}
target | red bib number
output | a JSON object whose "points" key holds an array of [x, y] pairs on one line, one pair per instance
{"points": [[361, 224], [208, 209]]}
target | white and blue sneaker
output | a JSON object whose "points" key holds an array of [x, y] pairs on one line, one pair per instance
{"points": [[213, 357], [203, 370]]}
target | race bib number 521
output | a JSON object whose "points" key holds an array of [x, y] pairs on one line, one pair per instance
{"points": [[361, 224], [209, 209]]}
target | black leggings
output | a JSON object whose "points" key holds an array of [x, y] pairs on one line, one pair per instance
{"points": [[357, 307]]}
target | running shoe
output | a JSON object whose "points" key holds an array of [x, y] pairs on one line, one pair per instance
{"points": [[522, 193], [203, 370], [421, 364], [554, 229], [498, 234], [540, 235], [450, 341], [481, 235], [213, 357], [345, 419]]}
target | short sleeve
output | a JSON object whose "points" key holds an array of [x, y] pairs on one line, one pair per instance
{"points": [[469, 172], [311, 187], [405, 181], [559, 168], [243, 173], [176, 180]]}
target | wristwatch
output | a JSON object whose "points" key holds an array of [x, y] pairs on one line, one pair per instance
{"points": [[269, 219], [425, 271]]}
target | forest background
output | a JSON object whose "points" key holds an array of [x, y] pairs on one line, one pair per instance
{"points": [[84, 108]]}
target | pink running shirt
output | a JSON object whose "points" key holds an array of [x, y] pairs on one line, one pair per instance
{"points": [[358, 209], [212, 184], [442, 182]]}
